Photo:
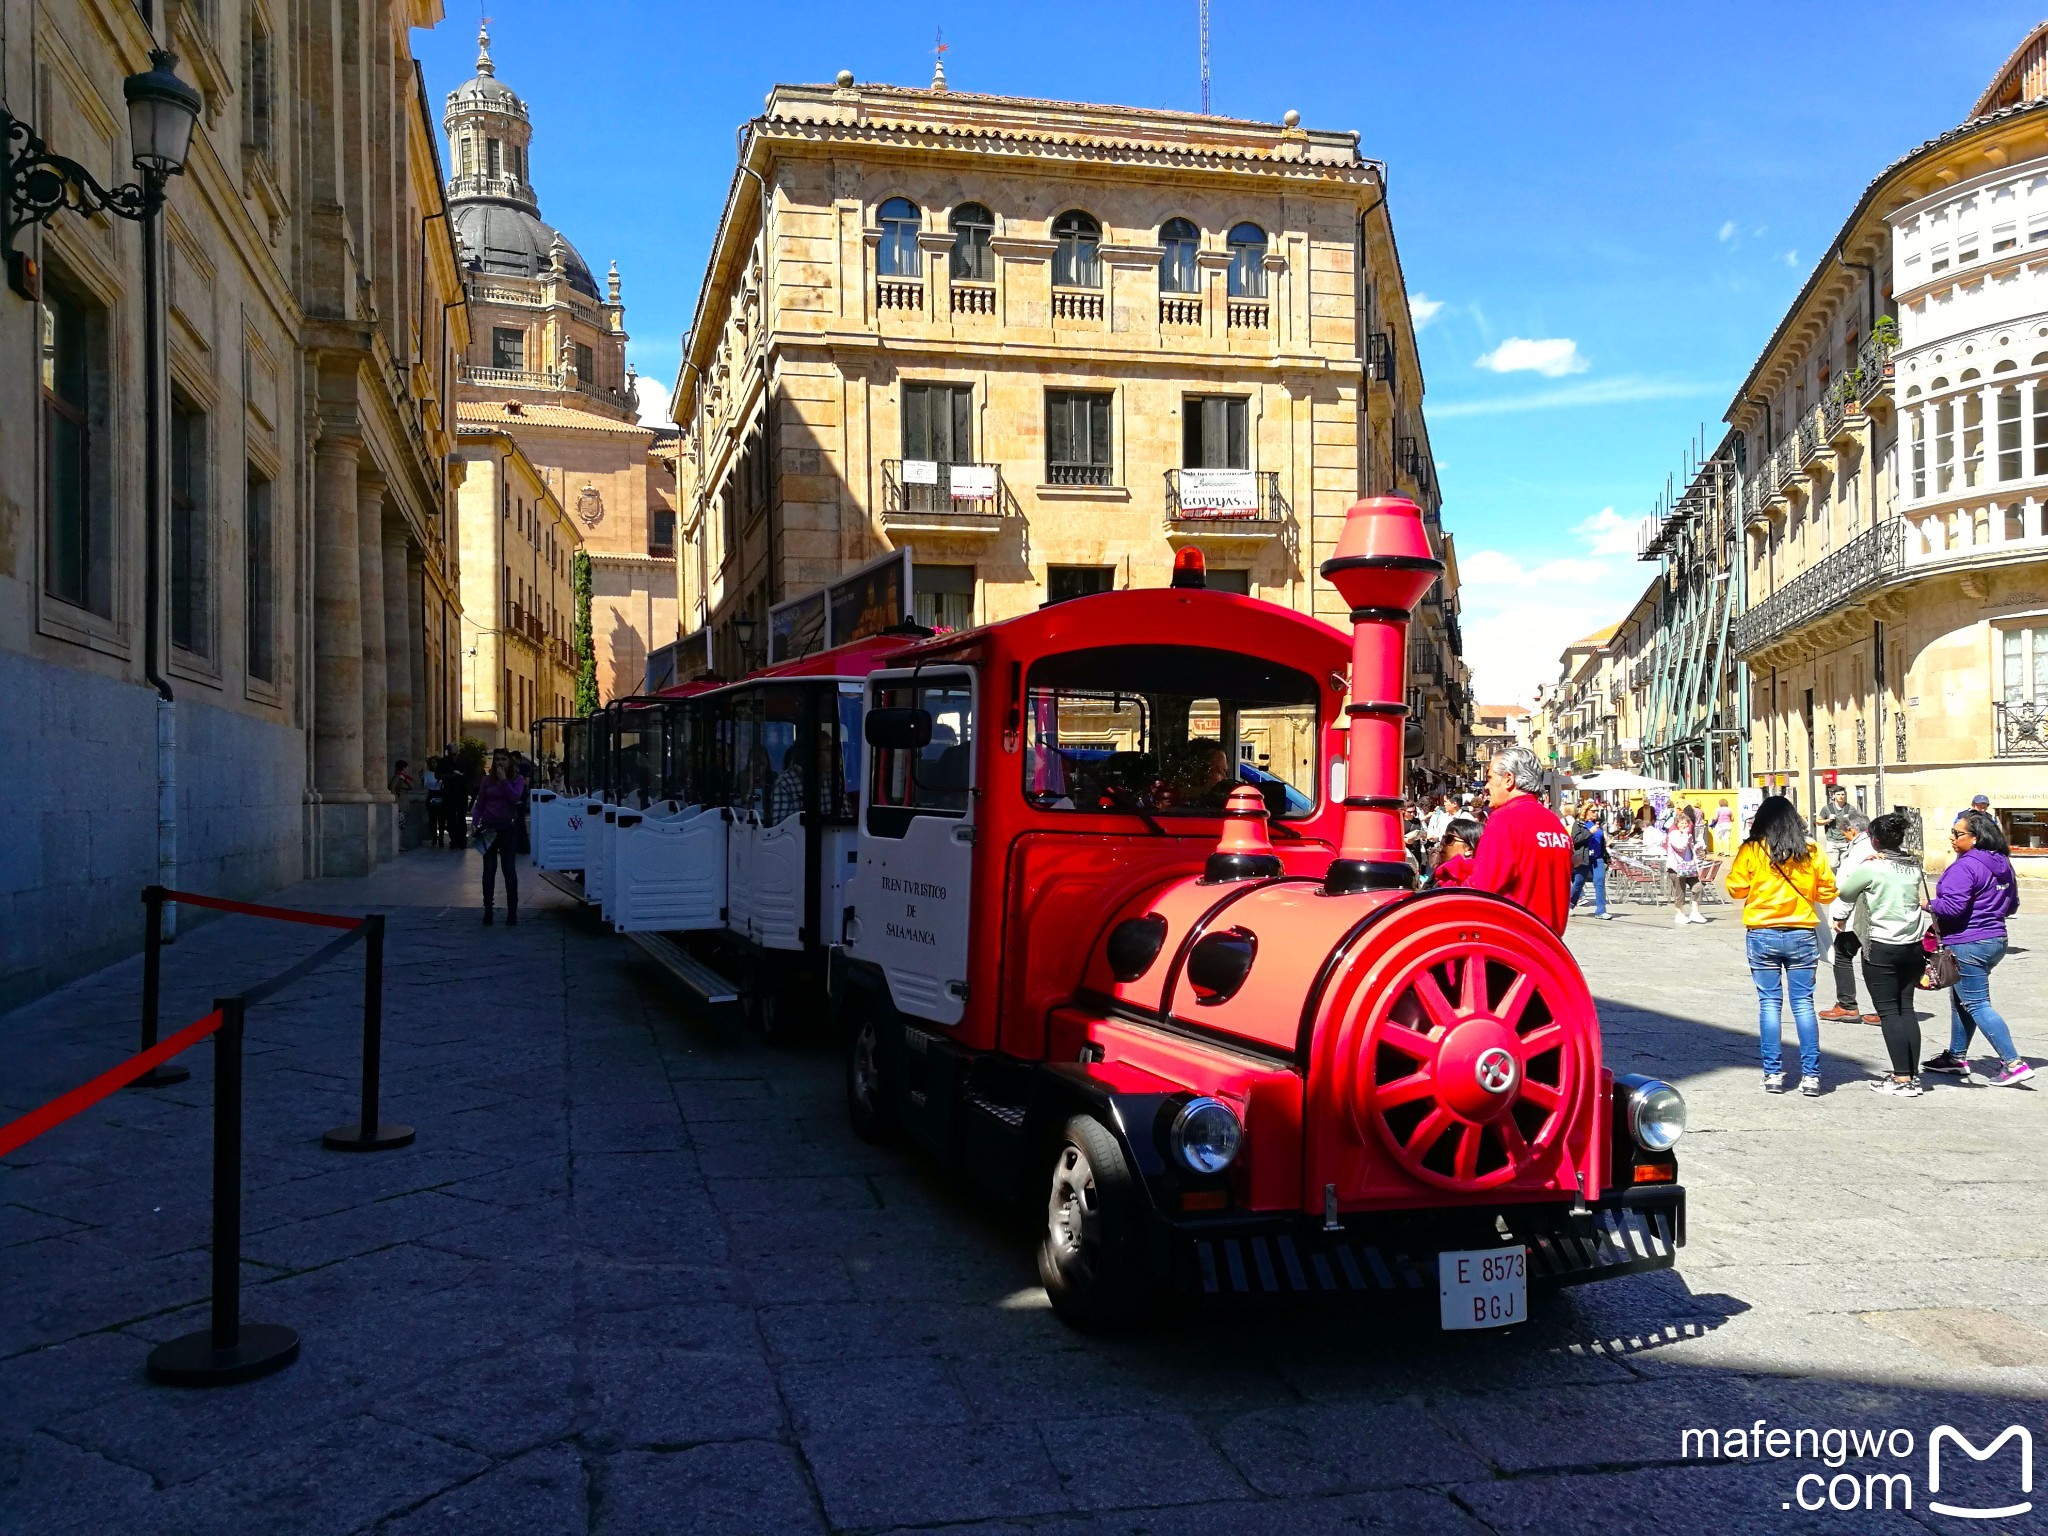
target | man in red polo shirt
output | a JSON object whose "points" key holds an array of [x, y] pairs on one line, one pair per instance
{"points": [[1525, 853]]}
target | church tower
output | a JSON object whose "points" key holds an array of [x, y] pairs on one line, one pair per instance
{"points": [[547, 365]]}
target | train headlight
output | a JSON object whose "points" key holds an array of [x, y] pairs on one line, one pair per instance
{"points": [[1206, 1135], [1656, 1114]]}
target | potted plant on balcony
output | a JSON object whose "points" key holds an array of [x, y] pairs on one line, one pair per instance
{"points": [[1886, 332]]}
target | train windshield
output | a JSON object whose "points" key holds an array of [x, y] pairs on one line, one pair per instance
{"points": [[1168, 730]]}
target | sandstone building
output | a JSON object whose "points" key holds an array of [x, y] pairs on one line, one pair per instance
{"points": [[546, 364], [518, 604], [307, 602], [1044, 346]]}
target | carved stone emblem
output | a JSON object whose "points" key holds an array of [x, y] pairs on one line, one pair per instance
{"points": [[590, 506]]}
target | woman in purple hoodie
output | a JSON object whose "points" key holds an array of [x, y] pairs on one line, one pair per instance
{"points": [[496, 819], [1976, 895]]}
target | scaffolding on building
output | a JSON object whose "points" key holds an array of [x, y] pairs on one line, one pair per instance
{"points": [[1696, 722]]}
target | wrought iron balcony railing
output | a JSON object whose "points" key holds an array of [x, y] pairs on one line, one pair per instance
{"points": [[1225, 503], [965, 498], [1866, 561], [2021, 728]]}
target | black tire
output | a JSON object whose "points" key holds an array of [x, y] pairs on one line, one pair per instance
{"points": [[868, 1106], [1091, 1251]]}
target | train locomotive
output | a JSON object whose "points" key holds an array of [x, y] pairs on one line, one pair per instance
{"points": [[1109, 906]]}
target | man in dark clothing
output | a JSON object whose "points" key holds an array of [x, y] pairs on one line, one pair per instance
{"points": [[1526, 854]]}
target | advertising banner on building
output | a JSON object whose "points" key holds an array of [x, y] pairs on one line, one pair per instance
{"points": [[861, 603], [1223, 493], [920, 472], [974, 482]]}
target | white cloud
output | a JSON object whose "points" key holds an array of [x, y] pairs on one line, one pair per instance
{"points": [[1607, 532], [1422, 309], [1792, 260], [1596, 392], [1518, 618], [653, 402], [1727, 232], [1489, 568], [1553, 357]]}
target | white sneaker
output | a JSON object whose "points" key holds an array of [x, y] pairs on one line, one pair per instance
{"points": [[1693, 914], [1680, 919], [1774, 1082]]}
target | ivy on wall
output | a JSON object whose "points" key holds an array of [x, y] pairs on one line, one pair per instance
{"points": [[586, 653]]}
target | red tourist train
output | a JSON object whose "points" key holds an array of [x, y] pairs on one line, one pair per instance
{"points": [[1110, 907]]}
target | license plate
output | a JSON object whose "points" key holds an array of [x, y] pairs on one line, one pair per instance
{"points": [[1483, 1287]]}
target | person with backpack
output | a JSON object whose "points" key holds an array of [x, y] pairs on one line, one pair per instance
{"points": [[1589, 859], [1782, 880], [1974, 897], [1877, 901]]}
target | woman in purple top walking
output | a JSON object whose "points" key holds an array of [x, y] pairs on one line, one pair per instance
{"points": [[496, 819], [1976, 895]]}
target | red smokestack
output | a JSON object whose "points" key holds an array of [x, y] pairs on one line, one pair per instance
{"points": [[1382, 567]]}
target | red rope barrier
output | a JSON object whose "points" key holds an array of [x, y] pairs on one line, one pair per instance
{"points": [[283, 914], [20, 1132]]}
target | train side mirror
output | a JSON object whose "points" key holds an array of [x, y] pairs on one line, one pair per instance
{"points": [[898, 730]]}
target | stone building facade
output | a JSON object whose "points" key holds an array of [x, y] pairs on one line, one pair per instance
{"points": [[518, 602], [307, 600], [547, 363], [1897, 562], [1045, 346]]}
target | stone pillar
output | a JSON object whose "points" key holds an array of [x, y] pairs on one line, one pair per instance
{"points": [[416, 649], [338, 660], [400, 641], [370, 555]]}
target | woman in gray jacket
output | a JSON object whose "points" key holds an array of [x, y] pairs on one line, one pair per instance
{"points": [[1883, 893]]}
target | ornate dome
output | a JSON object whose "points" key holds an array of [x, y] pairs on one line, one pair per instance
{"points": [[514, 242]]}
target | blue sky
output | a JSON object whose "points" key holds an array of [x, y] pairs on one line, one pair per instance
{"points": [[1606, 206]]}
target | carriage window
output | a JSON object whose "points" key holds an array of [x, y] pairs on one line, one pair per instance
{"points": [[773, 752], [1168, 730], [849, 748], [933, 778]]}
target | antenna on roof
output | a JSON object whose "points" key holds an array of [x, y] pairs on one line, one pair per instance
{"points": [[1202, 6]]}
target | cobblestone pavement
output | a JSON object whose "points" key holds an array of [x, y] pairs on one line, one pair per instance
{"points": [[636, 1277]]}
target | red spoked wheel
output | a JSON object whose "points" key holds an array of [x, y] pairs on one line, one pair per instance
{"points": [[1469, 1067]]}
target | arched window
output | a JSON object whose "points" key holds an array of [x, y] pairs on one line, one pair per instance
{"points": [[1077, 259], [900, 223], [1247, 262], [1177, 267], [973, 227]]}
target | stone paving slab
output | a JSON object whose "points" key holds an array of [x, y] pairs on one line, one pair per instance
{"points": [[636, 1276]]}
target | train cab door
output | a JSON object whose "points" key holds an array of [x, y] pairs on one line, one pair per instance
{"points": [[910, 898]]}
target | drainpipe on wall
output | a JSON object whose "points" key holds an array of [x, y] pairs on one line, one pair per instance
{"points": [[1869, 289], [153, 352]]}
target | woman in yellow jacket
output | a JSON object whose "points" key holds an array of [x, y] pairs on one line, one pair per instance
{"points": [[1784, 883]]}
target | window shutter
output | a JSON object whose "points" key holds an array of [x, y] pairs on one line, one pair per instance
{"points": [[962, 446], [1098, 429], [917, 432]]}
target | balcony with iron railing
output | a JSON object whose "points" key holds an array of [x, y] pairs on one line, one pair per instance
{"points": [[1224, 503], [919, 495], [1866, 562], [2020, 728]]}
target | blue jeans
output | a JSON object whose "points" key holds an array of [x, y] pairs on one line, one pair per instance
{"points": [[1596, 872], [1780, 958], [1969, 1005]]}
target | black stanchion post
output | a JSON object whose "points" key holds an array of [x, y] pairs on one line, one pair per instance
{"points": [[227, 1350], [370, 1134], [152, 989]]}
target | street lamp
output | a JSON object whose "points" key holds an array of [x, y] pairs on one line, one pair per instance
{"points": [[745, 628]]}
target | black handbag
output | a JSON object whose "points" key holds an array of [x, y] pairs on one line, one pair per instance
{"points": [[1943, 968]]}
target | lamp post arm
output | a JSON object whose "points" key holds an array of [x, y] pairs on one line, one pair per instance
{"points": [[40, 183]]}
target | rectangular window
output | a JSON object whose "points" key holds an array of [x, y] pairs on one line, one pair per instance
{"points": [[1213, 432], [508, 348], [2004, 236], [2025, 670], [933, 779], [1940, 258], [1065, 581], [1973, 439], [1229, 579], [2041, 429], [494, 158], [259, 602], [257, 86], [942, 596], [468, 155], [661, 534], [2009, 434], [191, 542], [1077, 438], [1966, 246], [78, 530], [1944, 447], [586, 364], [938, 423]]}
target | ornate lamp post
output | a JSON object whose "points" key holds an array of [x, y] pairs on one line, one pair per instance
{"points": [[37, 185]]}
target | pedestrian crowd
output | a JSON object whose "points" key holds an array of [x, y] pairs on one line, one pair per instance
{"points": [[1854, 892]]}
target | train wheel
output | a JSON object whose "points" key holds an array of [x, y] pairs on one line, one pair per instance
{"points": [[1090, 1258], [867, 1084]]}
